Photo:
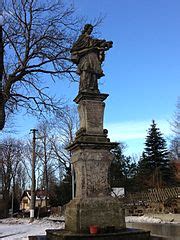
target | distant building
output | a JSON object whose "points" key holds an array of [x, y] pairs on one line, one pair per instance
{"points": [[42, 199]]}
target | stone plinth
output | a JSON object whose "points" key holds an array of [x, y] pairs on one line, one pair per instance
{"points": [[102, 211], [128, 234]]}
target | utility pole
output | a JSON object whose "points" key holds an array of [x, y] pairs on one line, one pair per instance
{"points": [[12, 199], [33, 186]]}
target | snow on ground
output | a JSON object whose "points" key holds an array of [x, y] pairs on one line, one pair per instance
{"points": [[20, 229], [144, 219], [155, 218]]}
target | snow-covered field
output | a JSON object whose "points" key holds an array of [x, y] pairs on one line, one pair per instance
{"points": [[155, 218], [144, 219], [20, 229]]}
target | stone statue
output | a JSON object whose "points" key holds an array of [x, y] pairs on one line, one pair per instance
{"points": [[88, 54]]}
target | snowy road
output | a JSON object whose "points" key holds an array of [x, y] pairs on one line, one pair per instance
{"points": [[12, 229]]}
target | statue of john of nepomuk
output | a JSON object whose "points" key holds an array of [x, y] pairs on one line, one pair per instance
{"points": [[88, 54]]}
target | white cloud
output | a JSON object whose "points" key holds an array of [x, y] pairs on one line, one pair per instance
{"points": [[130, 130], [133, 133]]}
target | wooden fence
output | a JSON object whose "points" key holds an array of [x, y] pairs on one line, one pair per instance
{"points": [[154, 201], [153, 195]]}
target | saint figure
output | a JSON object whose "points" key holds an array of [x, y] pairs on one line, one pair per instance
{"points": [[88, 54]]}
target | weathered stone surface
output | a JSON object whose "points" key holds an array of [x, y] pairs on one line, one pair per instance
{"points": [[100, 211], [129, 234], [91, 158], [89, 53], [90, 96], [91, 115], [91, 167]]}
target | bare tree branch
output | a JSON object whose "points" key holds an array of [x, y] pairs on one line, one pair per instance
{"points": [[37, 39]]}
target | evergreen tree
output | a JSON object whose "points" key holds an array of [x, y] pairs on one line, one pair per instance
{"points": [[154, 166], [61, 193], [116, 177], [122, 169]]}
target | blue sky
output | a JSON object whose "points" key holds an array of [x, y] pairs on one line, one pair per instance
{"points": [[142, 70]]}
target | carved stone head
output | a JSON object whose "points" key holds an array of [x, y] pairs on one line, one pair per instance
{"points": [[88, 28]]}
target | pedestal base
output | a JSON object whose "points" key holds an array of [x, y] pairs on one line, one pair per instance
{"points": [[103, 212], [126, 234]]}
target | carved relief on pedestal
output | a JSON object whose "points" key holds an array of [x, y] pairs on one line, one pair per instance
{"points": [[91, 168], [91, 115]]}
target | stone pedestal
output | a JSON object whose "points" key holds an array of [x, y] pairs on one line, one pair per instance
{"points": [[128, 234], [91, 159], [102, 211]]}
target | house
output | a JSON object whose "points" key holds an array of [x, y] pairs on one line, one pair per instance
{"points": [[42, 199]]}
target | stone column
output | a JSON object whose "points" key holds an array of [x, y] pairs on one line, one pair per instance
{"points": [[91, 158]]}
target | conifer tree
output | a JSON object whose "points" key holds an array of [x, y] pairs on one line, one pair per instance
{"points": [[122, 169], [154, 166], [116, 177]]}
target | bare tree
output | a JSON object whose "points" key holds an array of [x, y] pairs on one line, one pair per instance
{"points": [[66, 127], [20, 180], [54, 136], [175, 141], [37, 36], [176, 120], [44, 154], [11, 159]]}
